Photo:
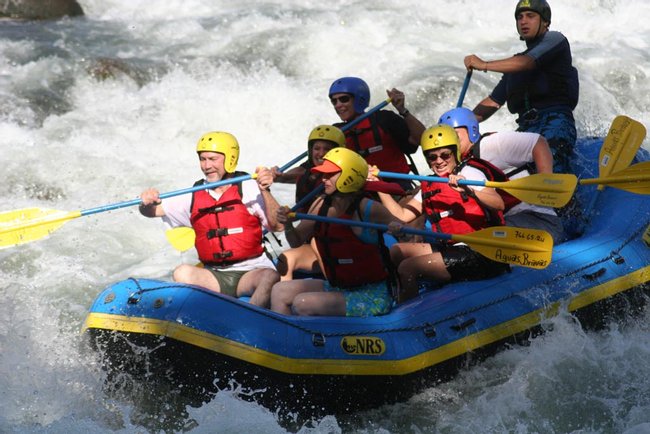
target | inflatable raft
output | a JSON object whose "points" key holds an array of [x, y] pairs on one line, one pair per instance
{"points": [[199, 342]]}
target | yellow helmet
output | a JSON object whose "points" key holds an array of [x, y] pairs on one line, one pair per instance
{"points": [[353, 168], [223, 143], [440, 136], [327, 132]]}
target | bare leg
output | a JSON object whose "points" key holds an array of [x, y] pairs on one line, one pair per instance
{"points": [[192, 275], [319, 303], [417, 260], [258, 283], [285, 294], [298, 258]]}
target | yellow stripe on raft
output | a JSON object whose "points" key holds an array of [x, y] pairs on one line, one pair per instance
{"points": [[609, 289]]}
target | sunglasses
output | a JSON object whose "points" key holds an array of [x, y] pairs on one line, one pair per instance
{"points": [[431, 157], [344, 99]]}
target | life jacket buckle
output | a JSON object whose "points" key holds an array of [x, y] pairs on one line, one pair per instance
{"points": [[428, 194], [215, 209], [223, 255], [220, 232]]}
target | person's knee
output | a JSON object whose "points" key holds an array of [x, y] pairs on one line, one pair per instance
{"points": [[409, 271], [258, 277], [281, 296], [269, 277], [303, 306], [396, 254], [405, 267], [183, 273]]}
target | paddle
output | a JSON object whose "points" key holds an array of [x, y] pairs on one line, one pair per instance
{"points": [[635, 179], [546, 189], [26, 225], [525, 247], [181, 238], [619, 148], [463, 91]]}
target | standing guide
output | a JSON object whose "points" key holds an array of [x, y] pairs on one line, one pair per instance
{"points": [[540, 85]]}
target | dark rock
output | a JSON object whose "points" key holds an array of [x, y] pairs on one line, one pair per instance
{"points": [[39, 9], [105, 68]]}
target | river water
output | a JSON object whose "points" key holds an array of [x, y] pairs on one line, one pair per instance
{"points": [[94, 110]]}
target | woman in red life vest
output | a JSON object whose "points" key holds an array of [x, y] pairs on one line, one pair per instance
{"points": [[354, 260], [450, 208]]}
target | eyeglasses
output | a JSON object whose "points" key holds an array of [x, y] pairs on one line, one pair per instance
{"points": [[431, 157], [344, 99]]}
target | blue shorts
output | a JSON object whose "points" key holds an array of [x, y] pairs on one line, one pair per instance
{"points": [[559, 129], [366, 300]]}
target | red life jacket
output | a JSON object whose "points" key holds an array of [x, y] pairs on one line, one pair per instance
{"points": [[226, 232], [452, 212], [347, 260], [378, 147]]}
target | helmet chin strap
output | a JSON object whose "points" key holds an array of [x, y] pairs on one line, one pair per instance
{"points": [[539, 31]]}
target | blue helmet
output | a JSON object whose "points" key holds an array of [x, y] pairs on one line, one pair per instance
{"points": [[355, 87], [462, 117]]}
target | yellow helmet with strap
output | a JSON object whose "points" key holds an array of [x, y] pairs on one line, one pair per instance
{"points": [[223, 143], [440, 136], [327, 132], [353, 168]]}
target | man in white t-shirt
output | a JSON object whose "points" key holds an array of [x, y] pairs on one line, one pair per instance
{"points": [[228, 221], [514, 153]]}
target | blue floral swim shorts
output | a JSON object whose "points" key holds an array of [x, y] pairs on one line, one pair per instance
{"points": [[366, 300]]}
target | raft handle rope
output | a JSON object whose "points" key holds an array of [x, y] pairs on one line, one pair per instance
{"points": [[135, 296]]}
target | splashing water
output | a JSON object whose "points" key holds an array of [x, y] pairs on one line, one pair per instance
{"points": [[94, 110]]}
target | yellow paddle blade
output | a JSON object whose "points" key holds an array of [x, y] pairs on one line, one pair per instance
{"points": [[545, 189], [23, 215], [620, 145], [635, 179], [29, 224], [530, 248], [181, 238]]}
